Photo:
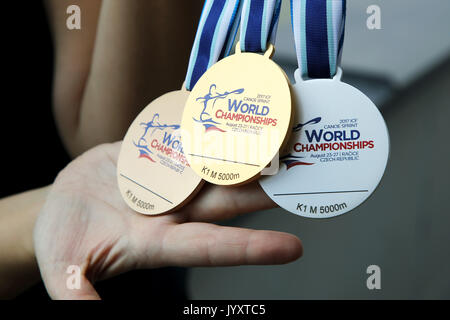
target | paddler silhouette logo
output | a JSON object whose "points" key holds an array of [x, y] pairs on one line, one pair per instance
{"points": [[209, 101], [150, 128], [292, 161]]}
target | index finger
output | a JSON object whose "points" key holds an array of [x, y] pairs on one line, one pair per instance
{"points": [[220, 203]]}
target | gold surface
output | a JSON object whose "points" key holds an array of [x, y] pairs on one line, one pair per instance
{"points": [[232, 147], [159, 180]]}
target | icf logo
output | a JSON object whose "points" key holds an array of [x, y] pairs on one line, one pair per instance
{"points": [[342, 140], [209, 100], [292, 161], [150, 128]]}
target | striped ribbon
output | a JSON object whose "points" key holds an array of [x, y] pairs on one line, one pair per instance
{"points": [[319, 28], [259, 22], [214, 39]]}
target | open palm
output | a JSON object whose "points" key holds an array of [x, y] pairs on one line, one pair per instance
{"points": [[86, 223]]}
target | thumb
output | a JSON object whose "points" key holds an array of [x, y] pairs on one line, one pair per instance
{"points": [[69, 285]]}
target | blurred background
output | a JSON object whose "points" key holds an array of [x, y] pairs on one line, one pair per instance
{"points": [[404, 228]]}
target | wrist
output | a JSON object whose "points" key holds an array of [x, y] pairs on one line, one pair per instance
{"points": [[18, 214]]}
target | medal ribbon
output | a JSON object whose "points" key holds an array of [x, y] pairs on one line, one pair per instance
{"points": [[259, 22], [214, 39], [319, 28]]}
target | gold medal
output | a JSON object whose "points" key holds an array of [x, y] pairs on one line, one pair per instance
{"points": [[153, 173], [236, 118]]}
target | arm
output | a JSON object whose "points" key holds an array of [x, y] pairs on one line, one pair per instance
{"points": [[126, 54], [18, 267]]}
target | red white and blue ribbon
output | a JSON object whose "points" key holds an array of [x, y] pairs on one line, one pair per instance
{"points": [[319, 28], [259, 22], [214, 39]]}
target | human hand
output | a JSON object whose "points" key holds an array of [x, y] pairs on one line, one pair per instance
{"points": [[85, 222]]}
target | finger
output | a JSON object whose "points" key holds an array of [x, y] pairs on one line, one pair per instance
{"points": [[86, 292], [216, 203], [202, 244], [113, 150]]}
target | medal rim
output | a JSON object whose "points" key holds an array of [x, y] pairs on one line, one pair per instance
{"points": [[266, 58], [198, 185], [296, 87]]}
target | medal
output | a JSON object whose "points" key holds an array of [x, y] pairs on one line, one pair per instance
{"points": [[153, 173], [237, 115], [339, 147]]}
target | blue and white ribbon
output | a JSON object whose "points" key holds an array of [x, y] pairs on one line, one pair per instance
{"points": [[319, 28], [214, 39], [259, 24]]}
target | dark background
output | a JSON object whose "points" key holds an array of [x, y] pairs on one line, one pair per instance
{"points": [[32, 153]]}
